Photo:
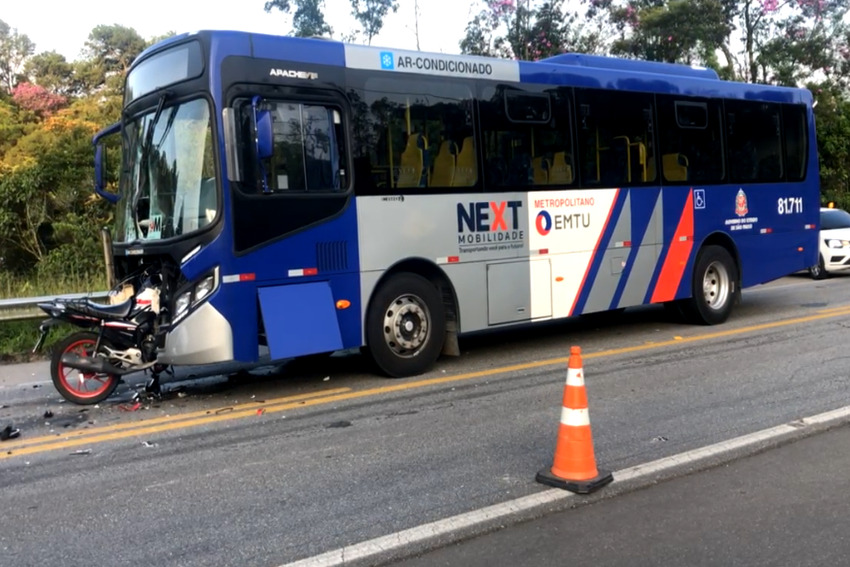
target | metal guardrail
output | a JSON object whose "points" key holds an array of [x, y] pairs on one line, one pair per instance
{"points": [[25, 308]]}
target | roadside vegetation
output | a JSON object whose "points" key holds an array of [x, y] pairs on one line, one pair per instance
{"points": [[51, 107]]}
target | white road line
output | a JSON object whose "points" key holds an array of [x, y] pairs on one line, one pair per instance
{"points": [[443, 528]]}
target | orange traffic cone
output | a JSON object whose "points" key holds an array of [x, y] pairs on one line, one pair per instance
{"points": [[574, 467]]}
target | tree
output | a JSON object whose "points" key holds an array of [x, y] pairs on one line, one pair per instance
{"points": [[678, 31], [832, 115], [12, 126], [37, 99], [14, 49], [50, 70], [371, 14], [113, 49], [45, 182], [308, 20]]}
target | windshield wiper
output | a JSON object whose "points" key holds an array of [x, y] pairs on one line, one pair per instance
{"points": [[144, 160]]}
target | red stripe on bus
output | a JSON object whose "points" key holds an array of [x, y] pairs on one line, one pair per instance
{"points": [[677, 255]]}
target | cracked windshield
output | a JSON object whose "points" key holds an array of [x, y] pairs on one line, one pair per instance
{"points": [[168, 187]]}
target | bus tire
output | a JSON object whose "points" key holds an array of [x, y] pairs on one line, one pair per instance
{"points": [[405, 325], [714, 289]]}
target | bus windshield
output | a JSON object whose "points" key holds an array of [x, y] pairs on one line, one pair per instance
{"points": [[168, 186]]}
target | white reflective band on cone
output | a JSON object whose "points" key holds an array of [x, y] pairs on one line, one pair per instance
{"points": [[575, 377], [575, 417]]}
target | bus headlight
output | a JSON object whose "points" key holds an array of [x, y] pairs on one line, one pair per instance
{"points": [[195, 294], [182, 304], [204, 287]]}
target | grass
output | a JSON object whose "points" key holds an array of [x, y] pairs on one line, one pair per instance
{"points": [[18, 337], [12, 286]]}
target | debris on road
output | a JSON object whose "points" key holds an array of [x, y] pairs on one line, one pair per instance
{"points": [[9, 432], [82, 452]]}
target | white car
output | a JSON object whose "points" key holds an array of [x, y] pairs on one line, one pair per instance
{"points": [[834, 243]]}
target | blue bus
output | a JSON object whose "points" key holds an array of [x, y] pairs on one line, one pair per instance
{"points": [[312, 196]]}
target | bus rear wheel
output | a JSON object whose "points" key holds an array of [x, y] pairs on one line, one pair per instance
{"points": [[715, 287], [405, 325]]}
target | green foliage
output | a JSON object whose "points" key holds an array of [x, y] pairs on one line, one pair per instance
{"points": [[17, 339], [51, 71], [832, 116], [15, 48], [309, 21], [371, 14]]}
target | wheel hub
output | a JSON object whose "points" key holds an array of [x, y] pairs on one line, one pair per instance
{"points": [[716, 285], [406, 325]]}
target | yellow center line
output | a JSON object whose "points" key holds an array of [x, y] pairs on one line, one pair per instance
{"points": [[204, 417], [96, 431]]}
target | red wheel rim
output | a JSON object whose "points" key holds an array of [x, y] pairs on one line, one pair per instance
{"points": [[83, 384]]}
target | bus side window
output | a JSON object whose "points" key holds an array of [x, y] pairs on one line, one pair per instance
{"points": [[527, 137], [615, 138], [796, 141], [690, 138], [409, 135], [754, 141]]}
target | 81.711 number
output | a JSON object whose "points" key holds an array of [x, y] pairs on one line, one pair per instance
{"points": [[790, 205]]}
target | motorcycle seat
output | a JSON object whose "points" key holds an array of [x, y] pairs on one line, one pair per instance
{"points": [[101, 311]]}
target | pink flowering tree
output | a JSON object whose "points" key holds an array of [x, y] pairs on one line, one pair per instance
{"points": [[37, 99]]}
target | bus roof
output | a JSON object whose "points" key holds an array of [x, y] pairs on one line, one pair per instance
{"points": [[573, 69]]}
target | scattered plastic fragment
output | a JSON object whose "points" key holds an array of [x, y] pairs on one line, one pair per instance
{"points": [[82, 452], [9, 432], [48, 414], [148, 444], [223, 410], [261, 411], [326, 378], [128, 407]]}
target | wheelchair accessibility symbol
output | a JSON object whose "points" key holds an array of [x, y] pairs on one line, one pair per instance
{"points": [[699, 198]]}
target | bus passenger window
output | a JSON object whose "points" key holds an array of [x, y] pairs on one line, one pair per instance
{"points": [[615, 138], [526, 137], [754, 142], [691, 139], [410, 135]]}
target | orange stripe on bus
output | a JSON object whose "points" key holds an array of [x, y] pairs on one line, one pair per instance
{"points": [[677, 255]]}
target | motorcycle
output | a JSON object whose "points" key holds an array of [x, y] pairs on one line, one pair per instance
{"points": [[117, 339]]}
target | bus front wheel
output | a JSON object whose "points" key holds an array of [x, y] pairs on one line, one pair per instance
{"points": [[405, 325], [715, 287]]}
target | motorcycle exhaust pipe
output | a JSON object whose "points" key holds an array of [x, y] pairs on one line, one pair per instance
{"points": [[95, 364]]}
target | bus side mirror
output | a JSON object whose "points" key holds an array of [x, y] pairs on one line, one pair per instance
{"points": [[264, 134], [100, 162], [263, 138]]}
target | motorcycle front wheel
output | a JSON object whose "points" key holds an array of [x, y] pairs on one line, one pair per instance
{"points": [[79, 386]]}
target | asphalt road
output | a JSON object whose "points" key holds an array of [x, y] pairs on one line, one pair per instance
{"points": [[287, 463], [786, 506]]}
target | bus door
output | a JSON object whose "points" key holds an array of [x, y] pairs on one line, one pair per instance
{"points": [[292, 223]]}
